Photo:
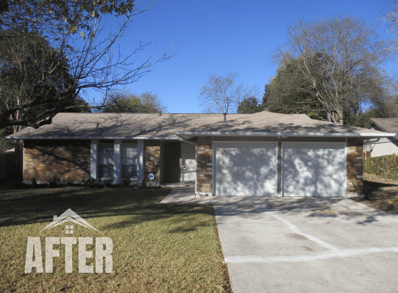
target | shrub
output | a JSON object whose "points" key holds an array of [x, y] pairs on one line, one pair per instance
{"points": [[385, 166], [126, 182], [108, 182], [143, 184], [53, 182], [34, 181], [88, 182], [69, 182]]}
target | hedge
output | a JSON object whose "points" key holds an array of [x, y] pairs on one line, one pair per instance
{"points": [[384, 166]]}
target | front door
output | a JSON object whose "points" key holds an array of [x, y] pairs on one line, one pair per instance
{"points": [[172, 156]]}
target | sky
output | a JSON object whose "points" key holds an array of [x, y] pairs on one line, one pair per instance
{"points": [[219, 37]]}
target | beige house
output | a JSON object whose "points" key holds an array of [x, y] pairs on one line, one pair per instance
{"points": [[263, 154], [382, 146]]}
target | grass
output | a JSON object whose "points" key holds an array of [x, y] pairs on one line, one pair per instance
{"points": [[380, 193], [156, 248]]}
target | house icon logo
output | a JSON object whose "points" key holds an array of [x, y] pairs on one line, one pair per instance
{"points": [[69, 216], [101, 247]]}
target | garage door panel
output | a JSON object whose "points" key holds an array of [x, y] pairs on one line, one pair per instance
{"points": [[246, 169], [317, 169]]}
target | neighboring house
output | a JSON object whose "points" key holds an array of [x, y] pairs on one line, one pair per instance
{"points": [[264, 154], [382, 146]]}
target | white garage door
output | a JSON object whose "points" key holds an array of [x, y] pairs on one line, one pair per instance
{"points": [[314, 169], [245, 168]]}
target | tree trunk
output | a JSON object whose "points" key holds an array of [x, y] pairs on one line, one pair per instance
{"points": [[340, 119]]}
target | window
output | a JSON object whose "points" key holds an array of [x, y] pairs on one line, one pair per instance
{"points": [[105, 161], [129, 160]]}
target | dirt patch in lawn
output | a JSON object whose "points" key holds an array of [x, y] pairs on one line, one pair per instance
{"points": [[380, 193]]}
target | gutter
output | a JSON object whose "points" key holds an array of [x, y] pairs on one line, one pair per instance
{"points": [[371, 141], [286, 134], [218, 133], [98, 137]]}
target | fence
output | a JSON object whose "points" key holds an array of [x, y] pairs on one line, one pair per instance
{"points": [[11, 165]]}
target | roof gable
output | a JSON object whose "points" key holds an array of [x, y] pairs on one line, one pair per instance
{"points": [[387, 124]]}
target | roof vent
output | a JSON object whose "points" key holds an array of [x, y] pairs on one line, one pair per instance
{"points": [[160, 113], [225, 116]]}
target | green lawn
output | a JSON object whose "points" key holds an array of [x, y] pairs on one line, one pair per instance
{"points": [[156, 248]]}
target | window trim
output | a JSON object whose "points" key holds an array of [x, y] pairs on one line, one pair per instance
{"points": [[135, 146], [99, 161]]}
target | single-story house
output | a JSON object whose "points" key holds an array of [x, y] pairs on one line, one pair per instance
{"points": [[264, 154], [382, 146]]}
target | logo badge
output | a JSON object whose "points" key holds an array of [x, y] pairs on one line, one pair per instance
{"points": [[103, 248]]}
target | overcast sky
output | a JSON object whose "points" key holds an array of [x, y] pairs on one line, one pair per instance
{"points": [[222, 36]]}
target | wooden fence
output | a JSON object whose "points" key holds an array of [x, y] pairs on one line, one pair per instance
{"points": [[11, 165]]}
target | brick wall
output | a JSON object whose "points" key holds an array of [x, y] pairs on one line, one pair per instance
{"points": [[355, 165], [204, 164], [152, 159], [44, 159]]}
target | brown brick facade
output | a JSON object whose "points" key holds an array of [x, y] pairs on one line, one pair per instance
{"points": [[64, 159], [204, 164], [355, 165], [152, 159]]}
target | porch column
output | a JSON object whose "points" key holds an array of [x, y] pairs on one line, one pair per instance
{"points": [[94, 159], [140, 160], [354, 166], [117, 159], [204, 169]]}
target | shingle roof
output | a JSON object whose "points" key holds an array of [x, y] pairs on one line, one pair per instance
{"points": [[118, 125], [275, 122], [387, 124], [165, 126]]}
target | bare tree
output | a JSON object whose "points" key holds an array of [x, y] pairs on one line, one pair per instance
{"points": [[222, 95], [51, 16], [342, 58], [90, 59], [391, 19]]}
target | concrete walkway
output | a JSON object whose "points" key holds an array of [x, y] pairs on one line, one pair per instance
{"points": [[184, 192]]}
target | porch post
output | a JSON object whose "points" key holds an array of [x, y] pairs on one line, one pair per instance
{"points": [[140, 160], [94, 159], [117, 159]]}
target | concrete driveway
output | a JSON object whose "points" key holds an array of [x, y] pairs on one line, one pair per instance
{"points": [[307, 245]]}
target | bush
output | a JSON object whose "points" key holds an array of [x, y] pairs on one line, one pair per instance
{"points": [[385, 166], [53, 182], [88, 182], [109, 182], [34, 181]]}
